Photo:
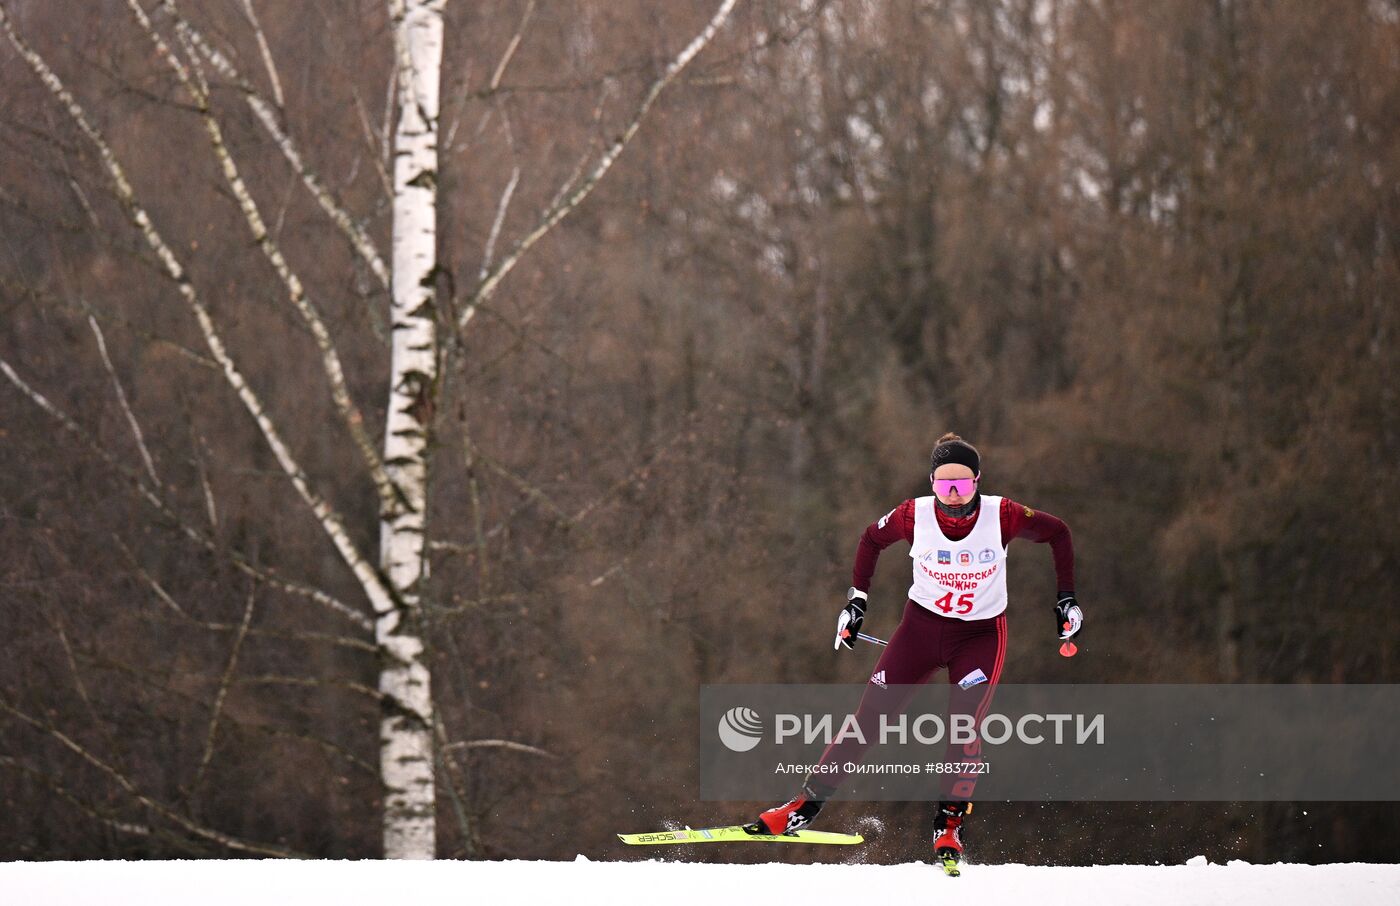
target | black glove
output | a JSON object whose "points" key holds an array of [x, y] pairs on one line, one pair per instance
{"points": [[1069, 619], [852, 615]]}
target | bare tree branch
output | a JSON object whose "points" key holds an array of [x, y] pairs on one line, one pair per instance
{"points": [[104, 816], [74, 428], [562, 519], [259, 679], [478, 522], [147, 678], [161, 594], [43, 297], [513, 46], [570, 200], [289, 635], [532, 492], [380, 596], [386, 147], [79, 194], [309, 682], [373, 141], [211, 508], [454, 790], [496, 76], [349, 411], [266, 52], [126, 407], [217, 708], [226, 840], [501, 206], [267, 115], [499, 744], [150, 497], [56, 620]]}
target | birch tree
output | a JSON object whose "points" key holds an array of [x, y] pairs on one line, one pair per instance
{"points": [[423, 339], [406, 739]]}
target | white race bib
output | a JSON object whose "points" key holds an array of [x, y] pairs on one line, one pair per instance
{"points": [[966, 579]]}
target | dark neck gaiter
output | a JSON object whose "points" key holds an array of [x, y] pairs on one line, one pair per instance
{"points": [[967, 509]]}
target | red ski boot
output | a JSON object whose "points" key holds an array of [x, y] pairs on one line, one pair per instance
{"points": [[947, 845], [793, 815]]}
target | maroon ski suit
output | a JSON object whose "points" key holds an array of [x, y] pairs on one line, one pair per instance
{"points": [[926, 641]]}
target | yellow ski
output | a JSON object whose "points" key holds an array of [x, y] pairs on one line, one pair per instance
{"points": [[737, 833]]}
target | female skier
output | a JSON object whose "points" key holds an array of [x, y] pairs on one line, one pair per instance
{"points": [[954, 618]]}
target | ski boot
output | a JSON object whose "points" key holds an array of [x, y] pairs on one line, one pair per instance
{"points": [[793, 815], [947, 845]]}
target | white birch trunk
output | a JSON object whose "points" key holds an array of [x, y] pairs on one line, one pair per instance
{"points": [[405, 735]]}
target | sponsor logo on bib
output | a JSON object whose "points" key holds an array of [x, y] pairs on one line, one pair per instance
{"points": [[964, 558], [945, 557], [987, 555], [972, 679]]}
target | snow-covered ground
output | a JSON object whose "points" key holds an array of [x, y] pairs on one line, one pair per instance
{"points": [[673, 883]]}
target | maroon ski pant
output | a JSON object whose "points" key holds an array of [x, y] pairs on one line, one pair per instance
{"points": [[924, 642]]}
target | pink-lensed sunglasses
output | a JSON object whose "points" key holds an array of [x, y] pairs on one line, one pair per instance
{"points": [[945, 486]]}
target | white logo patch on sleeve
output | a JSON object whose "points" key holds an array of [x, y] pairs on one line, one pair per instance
{"points": [[972, 679], [885, 519]]}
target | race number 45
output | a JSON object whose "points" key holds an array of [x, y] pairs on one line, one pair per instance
{"points": [[948, 605]]}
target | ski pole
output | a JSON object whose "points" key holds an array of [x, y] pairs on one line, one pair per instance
{"points": [[1068, 649]]}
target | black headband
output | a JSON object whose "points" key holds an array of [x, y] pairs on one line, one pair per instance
{"points": [[956, 451]]}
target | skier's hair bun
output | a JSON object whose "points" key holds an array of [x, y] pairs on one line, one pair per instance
{"points": [[947, 437]]}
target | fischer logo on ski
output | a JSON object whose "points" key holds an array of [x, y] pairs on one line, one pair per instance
{"points": [[739, 833]]}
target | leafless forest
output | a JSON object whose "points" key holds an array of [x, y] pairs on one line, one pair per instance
{"points": [[1146, 255]]}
